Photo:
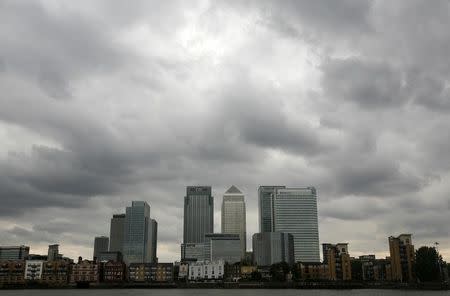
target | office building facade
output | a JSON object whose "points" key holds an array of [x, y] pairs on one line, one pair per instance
{"points": [[53, 252], [198, 214], [14, 252], [234, 217], [223, 246], [116, 233], [266, 195], [101, 244], [138, 243], [273, 247], [295, 212], [193, 252]]}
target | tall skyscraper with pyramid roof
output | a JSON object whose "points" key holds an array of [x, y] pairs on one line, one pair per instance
{"points": [[233, 215]]}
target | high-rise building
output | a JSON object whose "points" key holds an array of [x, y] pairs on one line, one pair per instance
{"points": [[101, 244], [14, 252], [265, 203], [139, 242], [116, 233], [273, 247], [295, 212], [198, 214], [338, 260], [223, 246], [153, 240], [53, 253], [402, 258], [233, 215]]}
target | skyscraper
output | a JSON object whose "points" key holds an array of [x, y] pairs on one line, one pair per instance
{"points": [[53, 252], [198, 214], [116, 233], [138, 234], [265, 202], [153, 240], [233, 216], [101, 244], [295, 212]]}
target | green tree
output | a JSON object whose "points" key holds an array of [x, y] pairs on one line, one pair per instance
{"points": [[278, 271], [357, 272], [256, 276], [428, 264]]}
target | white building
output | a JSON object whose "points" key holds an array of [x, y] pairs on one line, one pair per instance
{"points": [[33, 269], [295, 212], [206, 270], [233, 216]]}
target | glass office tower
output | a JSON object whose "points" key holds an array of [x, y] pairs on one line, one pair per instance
{"points": [[295, 212], [138, 233]]}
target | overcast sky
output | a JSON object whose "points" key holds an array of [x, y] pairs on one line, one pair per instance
{"points": [[105, 102]]}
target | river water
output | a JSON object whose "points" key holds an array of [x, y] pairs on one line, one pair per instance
{"points": [[219, 292]]}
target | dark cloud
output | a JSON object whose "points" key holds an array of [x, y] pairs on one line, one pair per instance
{"points": [[102, 104], [368, 84]]}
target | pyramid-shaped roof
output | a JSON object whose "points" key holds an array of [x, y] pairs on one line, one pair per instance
{"points": [[233, 189]]}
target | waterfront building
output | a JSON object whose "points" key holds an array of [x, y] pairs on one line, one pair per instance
{"points": [[150, 272], [162, 272], [223, 246], [33, 270], [338, 261], [206, 270], [85, 272], [183, 271], [193, 252], [116, 233], [12, 273], [313, 271], [139, 244], [114, 272], [14, 252], [367, 267], [402, 258], [295, 212], [266, 196], [382, 270], [139, 272], [101, 244], [273, 247], [56, 273], [53, 252], [234, 217]]}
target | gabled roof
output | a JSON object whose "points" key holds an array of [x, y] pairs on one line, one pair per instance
{"points": [[233, 189]]}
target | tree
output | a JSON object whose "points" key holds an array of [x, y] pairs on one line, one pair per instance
{"points": [[428, 264], [256, 276], [278, 271], [357, 272]]}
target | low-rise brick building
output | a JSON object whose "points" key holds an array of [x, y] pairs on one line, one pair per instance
{"points": [[85, 272], [12, 273], [56, 273], [114, 272]]}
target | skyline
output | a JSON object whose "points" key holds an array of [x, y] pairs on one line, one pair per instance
{"points": [[104, 104], [210, 192]]}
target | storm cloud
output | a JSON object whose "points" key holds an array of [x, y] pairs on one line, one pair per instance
{"points": [[102, 104]]}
